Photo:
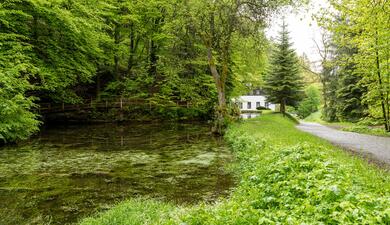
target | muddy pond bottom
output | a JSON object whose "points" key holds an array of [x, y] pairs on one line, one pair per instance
{"points": [[69, 172]]}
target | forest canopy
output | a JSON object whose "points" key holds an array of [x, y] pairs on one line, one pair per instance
{"points": [[64, 51], [198, 52]]}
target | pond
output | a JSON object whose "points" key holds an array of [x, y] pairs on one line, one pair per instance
{"points": [[249, 115], [67, 173]]}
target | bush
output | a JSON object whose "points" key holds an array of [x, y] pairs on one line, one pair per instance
{"points": [[311, 103], [262, 108], [17, 122]]}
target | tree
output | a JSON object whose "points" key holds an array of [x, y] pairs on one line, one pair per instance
{"points": [[283, 84], [160, 50], [364, 26], [16, 68], [309, 76], [46, 50], [350, 91], [327, 76], [217, 22], [341, 84]]}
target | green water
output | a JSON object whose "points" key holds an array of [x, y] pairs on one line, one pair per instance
{"points": [[67, 173]]}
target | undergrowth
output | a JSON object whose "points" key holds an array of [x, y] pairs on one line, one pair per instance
{"points": [[367, 130]]}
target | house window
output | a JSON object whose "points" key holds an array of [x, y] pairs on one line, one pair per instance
{"points": [[249, 105], [266, 105], [257, 104], [240, 105]]}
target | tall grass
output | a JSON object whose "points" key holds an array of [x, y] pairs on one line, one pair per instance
{"points": [[286, 177]]}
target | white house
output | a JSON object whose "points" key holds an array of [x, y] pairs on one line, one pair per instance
{"points": [[253, 100]]}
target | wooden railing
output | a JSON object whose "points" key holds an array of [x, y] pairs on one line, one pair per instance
{"points": [[118, 103]]}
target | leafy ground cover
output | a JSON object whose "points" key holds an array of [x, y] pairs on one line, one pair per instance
{"points": [[349, 126], [286, 177]]}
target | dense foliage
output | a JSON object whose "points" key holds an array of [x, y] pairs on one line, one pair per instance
{"points": [[311, 103], [43, 54], [358, 63], [282, 181], [164, 51], [283, 84]]}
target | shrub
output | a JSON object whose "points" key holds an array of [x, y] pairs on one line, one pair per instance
{"points": [[311, 102], [17, 122], [262, 108]]}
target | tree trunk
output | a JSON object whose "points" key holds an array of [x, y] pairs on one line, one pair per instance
{"points": [[98, 86], [283, 107], [324, 92], [387, 88], [116, 57], [220, 113], [380, 82], [153, 59], [132, 48]]}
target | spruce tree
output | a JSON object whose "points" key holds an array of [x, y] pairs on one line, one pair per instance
{"points": [[283, 84], [350, 106]]}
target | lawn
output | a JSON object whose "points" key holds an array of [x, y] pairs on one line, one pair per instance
{"points": [[285, 177]]}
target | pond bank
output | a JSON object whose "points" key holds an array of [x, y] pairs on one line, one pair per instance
{"points": [[127, 114], [287, 177]]}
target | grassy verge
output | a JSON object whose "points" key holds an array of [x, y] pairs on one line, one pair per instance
{"points": [[348, 126], [287, 177]]}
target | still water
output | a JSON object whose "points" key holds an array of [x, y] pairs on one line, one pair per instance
{"points": [[249, 115], [67, 173]]}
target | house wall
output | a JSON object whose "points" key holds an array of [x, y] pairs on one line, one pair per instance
{"points": [[254, 99]]}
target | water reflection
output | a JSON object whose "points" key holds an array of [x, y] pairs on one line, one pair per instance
{"points": [[70, 172], [249, 115]]}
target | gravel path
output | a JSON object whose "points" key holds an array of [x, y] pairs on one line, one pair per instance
{"points": [[376, 147]]}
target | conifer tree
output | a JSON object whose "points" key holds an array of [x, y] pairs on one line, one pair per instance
{"points": [[283, 84], [350, 91]]}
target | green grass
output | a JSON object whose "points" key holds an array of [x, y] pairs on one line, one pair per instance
{"points": [[348, 126], [314, 117], [367, 130], [286, 177], [135, 211]]}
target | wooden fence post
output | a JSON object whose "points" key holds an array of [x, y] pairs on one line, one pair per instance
{"points": [[63, 106], [121, 103]]}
